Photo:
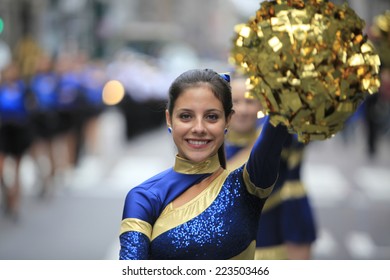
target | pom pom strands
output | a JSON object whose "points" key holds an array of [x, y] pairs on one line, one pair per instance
{"points": [[308, 63]]}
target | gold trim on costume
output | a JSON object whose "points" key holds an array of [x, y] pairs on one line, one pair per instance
{"points": [[277, 252], [257, 191], [248, 253], [290, 190], [172, 217], [132, 224], [188, 167]]}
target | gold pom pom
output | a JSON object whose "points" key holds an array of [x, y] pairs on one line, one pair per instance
{"points": [[308, 63]]}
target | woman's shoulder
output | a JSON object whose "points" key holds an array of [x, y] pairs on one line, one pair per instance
{"points": [[150, 184], [156, 193], [143, 201]]}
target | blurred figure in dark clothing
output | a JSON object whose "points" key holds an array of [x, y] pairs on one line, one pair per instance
{"points": [[16, 135], [371, 118], [70, 103], [43, 86], [377, 113]]}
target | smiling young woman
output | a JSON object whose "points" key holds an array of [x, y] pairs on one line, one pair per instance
{"points": [[198, 122], [198, 209]]}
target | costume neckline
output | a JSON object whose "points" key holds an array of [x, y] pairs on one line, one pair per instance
{"points": [[185, 166]]}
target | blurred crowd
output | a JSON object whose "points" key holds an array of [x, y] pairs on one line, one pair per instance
{"points": [[50, 108]]}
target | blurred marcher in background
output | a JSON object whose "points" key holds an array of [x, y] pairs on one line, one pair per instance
{"points": [[3, 187], [385, 84], [70, 104], [16, 134], [372, 121], [43, 86], [26, 54], [93, 77], [286, 228], [377, 106]]}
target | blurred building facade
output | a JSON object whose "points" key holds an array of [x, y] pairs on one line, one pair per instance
{"points": [[101, 27]]}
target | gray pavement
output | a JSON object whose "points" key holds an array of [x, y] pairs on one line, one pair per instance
{"points": [[80, 219]]}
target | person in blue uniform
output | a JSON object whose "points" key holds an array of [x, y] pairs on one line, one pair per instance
{"points": [[287, 226], [70, 105], [16, 134], [198, 209], [43, 86]]}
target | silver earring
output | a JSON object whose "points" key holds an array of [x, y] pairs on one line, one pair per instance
{"points": [[225, 131], [169, 129]]}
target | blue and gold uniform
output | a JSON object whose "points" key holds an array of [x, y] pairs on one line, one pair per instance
{"points": [[287, 214], [219, 223]]}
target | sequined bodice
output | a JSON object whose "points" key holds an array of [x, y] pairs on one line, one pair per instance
{"points": [[231, 218]]}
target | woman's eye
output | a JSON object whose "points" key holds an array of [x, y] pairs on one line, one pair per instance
{"points": [[212, 117], [185, 116]]}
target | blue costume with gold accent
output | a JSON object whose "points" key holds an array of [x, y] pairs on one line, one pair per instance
{"points": [[219, 223], [287, 214]]}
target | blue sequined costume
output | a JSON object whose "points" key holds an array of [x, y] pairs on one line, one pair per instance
{"points": [[219, 223], [287, 215]]}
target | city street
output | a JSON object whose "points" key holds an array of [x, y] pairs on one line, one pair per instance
{"points": [[80, 218]]}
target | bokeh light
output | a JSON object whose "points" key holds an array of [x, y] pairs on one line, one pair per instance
{"points": [[113, 92]]}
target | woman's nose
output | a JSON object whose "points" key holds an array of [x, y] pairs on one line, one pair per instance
{"points": [[199, 126]]}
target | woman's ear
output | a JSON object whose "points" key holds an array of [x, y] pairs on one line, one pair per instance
{"points": [[168, 118]]}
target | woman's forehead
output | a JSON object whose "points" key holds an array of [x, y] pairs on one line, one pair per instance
{"points": [[198, 97]]}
